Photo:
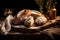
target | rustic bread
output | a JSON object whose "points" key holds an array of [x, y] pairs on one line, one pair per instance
{"points": [[25, 12], [40, 20], [21, 16], [36, 14], [29, 21]]}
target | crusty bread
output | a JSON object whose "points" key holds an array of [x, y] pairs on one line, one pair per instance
{"points": [[36, 14], [25, 12], [15, 21], [28, 18], [29, 21], [40, 20], [22, 16]]}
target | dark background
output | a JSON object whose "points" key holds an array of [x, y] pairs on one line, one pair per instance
{"points": [[18, 5]]}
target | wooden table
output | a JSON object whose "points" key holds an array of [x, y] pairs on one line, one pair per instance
{"points": [[47, 25], [16, 35]]}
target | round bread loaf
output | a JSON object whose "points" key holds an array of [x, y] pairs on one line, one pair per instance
{"points": [[22, 19], [36, 14], [21, 16], [29, 21], [40, 20], [25, 12]]}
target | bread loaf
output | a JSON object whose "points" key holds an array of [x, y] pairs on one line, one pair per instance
{"points": [[25, 12], [40, 20], [36, 14], [29, 21], [22, 16]]}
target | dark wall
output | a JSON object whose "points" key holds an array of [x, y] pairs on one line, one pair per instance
{"points": [[22, 4], [58, 7], [18, 5]]}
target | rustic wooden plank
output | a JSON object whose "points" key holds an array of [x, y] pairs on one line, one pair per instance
{"points": [[39, 27], [36, 28]]}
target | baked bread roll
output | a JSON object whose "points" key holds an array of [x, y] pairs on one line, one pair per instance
{"points": [[36, 14], [25, 12], [21, 16], [15, 20], [29, 21], [22, 19], [40, 20]]}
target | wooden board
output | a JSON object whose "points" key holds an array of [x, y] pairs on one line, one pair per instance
{"points": [[34, 29]]}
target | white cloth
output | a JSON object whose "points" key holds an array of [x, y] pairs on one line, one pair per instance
{"points": [[6, 25]]}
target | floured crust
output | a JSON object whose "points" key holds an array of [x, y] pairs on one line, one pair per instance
{"points": [[29, 21], [26, 15]]}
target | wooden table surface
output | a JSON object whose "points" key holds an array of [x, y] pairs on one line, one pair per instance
{"points": [[36, 28]]}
